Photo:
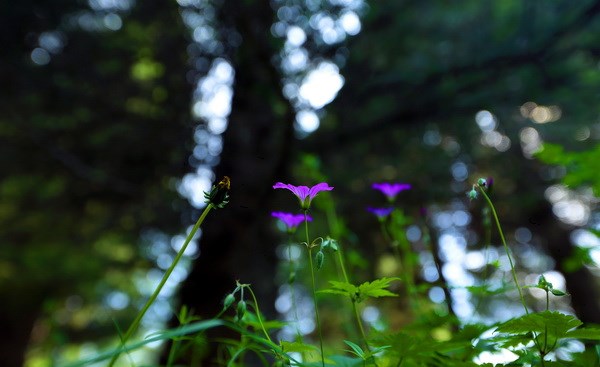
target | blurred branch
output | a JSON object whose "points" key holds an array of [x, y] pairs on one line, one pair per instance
{"points": [[423, 96]]}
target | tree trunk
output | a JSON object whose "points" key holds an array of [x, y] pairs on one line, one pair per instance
{"points": [[17, 319], [238, 241]]}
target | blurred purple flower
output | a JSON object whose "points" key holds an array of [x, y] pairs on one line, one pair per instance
{"points": [[380, 213], [390, 190], [304, 193], [291, 221]]}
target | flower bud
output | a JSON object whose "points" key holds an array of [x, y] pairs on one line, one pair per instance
{"points": [[320, 258], [472, 194], [228, 301], [219, 194], [241, 309], [482, 182]]}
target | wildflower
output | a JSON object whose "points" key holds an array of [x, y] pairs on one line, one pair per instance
{"points": [[380, 213], [304, 194], [472, 194], [219, 194], [291, 221], [390, 190]]}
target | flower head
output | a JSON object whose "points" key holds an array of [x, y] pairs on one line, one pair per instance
{"points": [[304, 193], [219, 194], [380, 213], [291, 221], [390, 190]]}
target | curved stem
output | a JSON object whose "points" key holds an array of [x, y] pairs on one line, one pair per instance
{"points": [[360, 325], [356, 314], [512, 266], [258, 315], [140, 315], [314, 291]]}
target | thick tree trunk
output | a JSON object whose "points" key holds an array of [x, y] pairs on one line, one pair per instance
{"points": [[238, 241], [17, 319]]}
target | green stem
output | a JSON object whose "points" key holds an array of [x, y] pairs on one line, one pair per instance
{"points": [[356, 314], [292, 275], [314, 288], [360, 325], [512, 266], [140, 315], [258, 315], [406, 269], [341, 259]]}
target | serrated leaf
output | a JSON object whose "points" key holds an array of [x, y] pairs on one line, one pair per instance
{"points": [[555, 324], [377, 288], [341, 288], [539, 321], [349, 288], [333, 291]]}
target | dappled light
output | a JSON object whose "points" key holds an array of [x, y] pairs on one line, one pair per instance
{"points": [[299, 183]]}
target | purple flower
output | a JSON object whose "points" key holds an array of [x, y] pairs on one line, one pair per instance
{"points": [[380, 213], [304, 193], [291, 221], [390, 190]]}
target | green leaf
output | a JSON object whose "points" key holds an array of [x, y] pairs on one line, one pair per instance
{"points": [[356, 349], [344, 361], [376, 288], [588, 333], [558, 293], [297, 347], [343, 286], [548, 326], [373, 289], [555, 323]]}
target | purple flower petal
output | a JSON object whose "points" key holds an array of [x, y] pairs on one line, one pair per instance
{"points": [[291, 220], [304, 193], [380, 212], [323, 186], [390, 190]]}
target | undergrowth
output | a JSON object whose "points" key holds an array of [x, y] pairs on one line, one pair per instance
{"points": [[336, 331]]}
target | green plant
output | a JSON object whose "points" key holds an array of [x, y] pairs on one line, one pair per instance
{"points": [[429, 338]]}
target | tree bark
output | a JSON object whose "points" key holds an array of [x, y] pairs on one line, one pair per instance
{"points": [[238, 241]]}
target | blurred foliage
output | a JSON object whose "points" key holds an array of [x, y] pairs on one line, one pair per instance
{"points": [[95, 132], [92, 143], [581, 167]]}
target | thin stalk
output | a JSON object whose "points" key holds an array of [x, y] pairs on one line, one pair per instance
{"points": [[512, 266], [360, 325], [258, 315], [314, 288], [405, 268], [140, 315], [292, 290], [341, 259], [355, 309]]}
